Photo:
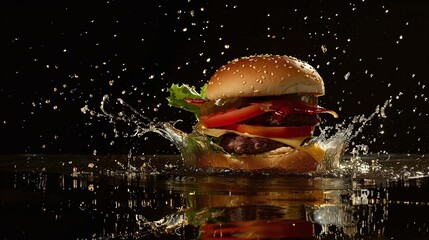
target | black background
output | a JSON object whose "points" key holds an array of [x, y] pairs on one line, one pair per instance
{"points": [[60, 56]]}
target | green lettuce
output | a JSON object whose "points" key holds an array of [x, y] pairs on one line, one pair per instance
{"points": [[179, 93]]}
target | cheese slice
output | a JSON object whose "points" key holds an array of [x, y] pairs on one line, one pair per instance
{"points": [[215, 132], [314, 150]]}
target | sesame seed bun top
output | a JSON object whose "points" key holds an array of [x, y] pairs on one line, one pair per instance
{"points": [[264, 75]]}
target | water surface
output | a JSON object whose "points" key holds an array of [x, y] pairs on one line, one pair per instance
{"points": [[152, 197]]}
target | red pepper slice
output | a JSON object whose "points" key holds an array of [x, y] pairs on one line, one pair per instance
{"points": [[196, 101]]}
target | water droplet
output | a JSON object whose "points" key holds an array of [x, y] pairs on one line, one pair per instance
{"points": [[346, 77]]}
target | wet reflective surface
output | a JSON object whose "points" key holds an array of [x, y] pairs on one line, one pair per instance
{"points": [[118, 197]]}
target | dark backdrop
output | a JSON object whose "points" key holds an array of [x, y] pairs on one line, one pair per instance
{"points": [[61, 56]]}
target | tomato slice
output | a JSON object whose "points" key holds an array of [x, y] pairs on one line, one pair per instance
{"points": [[280, 108], [272, 132], [232, 116]]}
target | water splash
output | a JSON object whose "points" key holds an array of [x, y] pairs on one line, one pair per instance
{"points": [[169, 224], [335, 140], [119, 112], [336, 143]]}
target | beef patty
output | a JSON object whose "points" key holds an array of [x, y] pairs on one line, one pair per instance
{"points": [[234, 143]]}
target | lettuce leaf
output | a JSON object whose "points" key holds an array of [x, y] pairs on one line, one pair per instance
{"points": [[178, 93]]}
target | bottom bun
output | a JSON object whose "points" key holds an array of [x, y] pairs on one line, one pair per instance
{"points": [[283, 159]]}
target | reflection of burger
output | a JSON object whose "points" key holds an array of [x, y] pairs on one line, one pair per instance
{"points": [[259, 213], [259, 112]]}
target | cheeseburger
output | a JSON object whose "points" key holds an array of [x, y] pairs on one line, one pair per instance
{"points": [[257, 112]]}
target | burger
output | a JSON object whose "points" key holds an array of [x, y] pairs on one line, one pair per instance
{"points": [[256, 112]]}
